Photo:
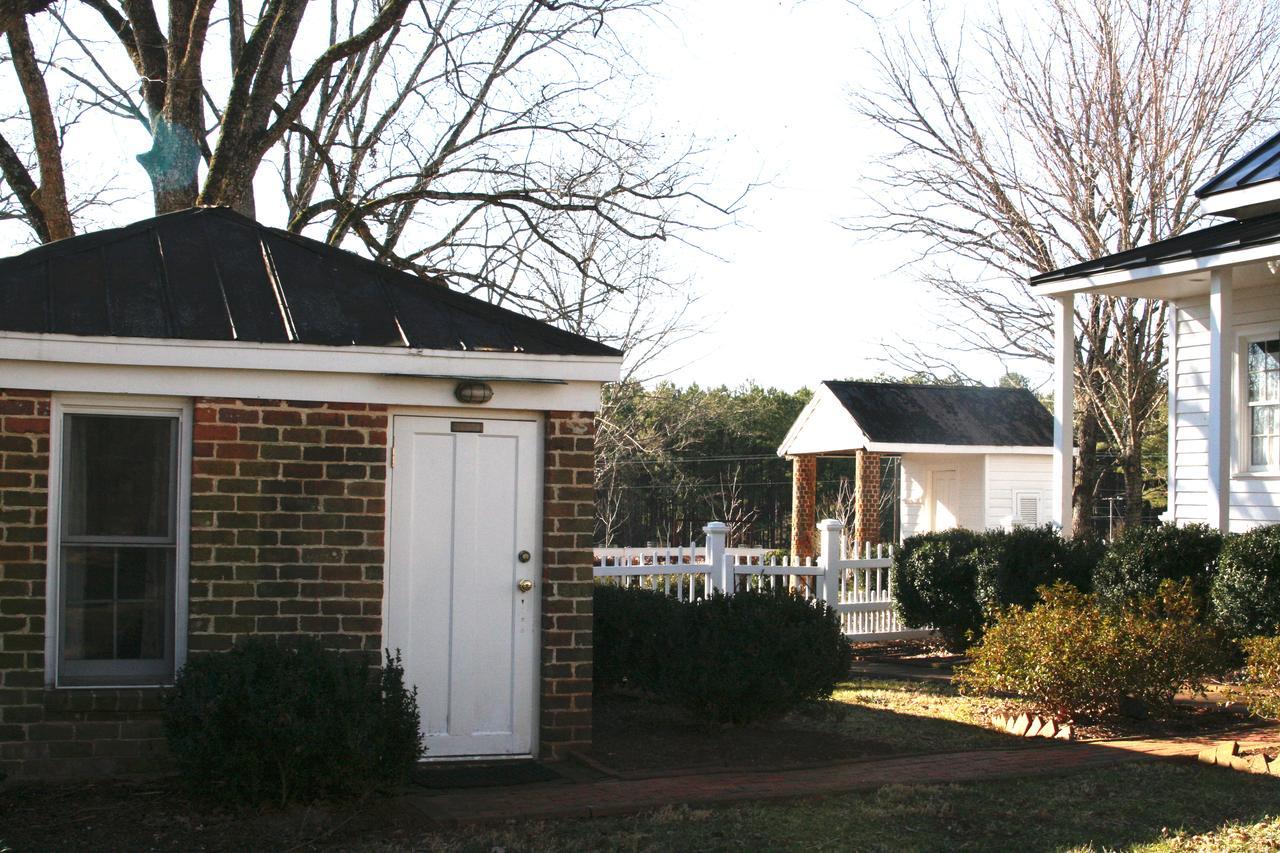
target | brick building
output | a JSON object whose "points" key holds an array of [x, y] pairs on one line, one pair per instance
{"points": [[211, 430]]}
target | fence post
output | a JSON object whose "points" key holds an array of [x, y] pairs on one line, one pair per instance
{"points": [[830, 539], [717, 532]]}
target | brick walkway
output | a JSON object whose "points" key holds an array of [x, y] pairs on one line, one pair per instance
{"points": [[629, 796]]}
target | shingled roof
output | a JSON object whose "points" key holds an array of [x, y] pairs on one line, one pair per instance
{"points": [[900, 413], [210, 274]]}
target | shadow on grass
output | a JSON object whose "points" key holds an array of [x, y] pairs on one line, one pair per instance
{"points": [[864, 720]]}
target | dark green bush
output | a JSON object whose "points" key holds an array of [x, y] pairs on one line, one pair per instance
{"points": [[1013, 564], [1074, 657], [935, 584], [1246, 589], [726, 659], [1141, 557], [949, 580], [273, 722], [631, 636]]}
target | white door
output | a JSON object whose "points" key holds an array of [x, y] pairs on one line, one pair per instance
{"points": [[944, 500], [464, 534]]}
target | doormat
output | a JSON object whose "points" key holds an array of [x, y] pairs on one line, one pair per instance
{"points": [[490, 775]]}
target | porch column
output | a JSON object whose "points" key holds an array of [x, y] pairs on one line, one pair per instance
{"points": [[1217, 513], [1064, 389], [866, 502], [804, 484]]}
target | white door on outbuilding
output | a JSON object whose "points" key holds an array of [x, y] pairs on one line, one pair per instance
{"points": [[463, 544], [944, 500]]}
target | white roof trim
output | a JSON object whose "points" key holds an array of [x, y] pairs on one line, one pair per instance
{"points": [[305, 358], [1222, 203], [1117, 278], [996, 449]]}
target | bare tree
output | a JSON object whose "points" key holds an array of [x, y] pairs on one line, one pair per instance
{"points": [[485, 141], [1077, 130]]}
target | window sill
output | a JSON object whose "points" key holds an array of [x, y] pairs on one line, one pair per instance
{"points": [[90, 698], [1256, 475]]}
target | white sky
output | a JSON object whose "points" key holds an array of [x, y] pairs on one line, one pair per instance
{"points": [[796, 298], [787, 296]]}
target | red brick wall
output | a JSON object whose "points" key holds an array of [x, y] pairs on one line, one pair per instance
{"points": [[866, 526], [53, 733], [288, 506], [804, 484], [288, 509], [568, 524]]}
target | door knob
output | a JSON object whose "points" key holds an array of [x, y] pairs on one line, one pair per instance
{"points": [[525, 585]]}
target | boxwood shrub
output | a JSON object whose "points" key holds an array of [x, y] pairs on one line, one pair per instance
{"points": [[1074, 657], [724, 659], [1142, 557], [1013, 564], [1246, 589], [935, 584], [267, 721], [952, 579]]}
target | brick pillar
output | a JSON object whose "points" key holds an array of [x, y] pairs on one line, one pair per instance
{"points": [[866, 527], [568, 513], [804, 480]]}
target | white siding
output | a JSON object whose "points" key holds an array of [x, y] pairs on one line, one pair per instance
{"points": [[1008, 474], [915, 485], [1254, 500]]}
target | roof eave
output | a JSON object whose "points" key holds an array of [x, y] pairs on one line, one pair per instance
{"points": [[309, 358]]}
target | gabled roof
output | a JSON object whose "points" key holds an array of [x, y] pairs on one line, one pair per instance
{"points": [[1259, 166], [210, 274], [898, 417], [1241, 234]]}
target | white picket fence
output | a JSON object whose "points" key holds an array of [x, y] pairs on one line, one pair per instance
{"points": [[856, 585]]}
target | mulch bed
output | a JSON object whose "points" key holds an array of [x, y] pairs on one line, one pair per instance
{"points": [[634, 738]]}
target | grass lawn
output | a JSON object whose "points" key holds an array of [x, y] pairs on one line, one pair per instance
{"points": [[1167, 805], [1149, 806]]}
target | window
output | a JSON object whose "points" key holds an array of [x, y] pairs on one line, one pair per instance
{"points": [[1263, 396], [117, 515], [1026, 509]]}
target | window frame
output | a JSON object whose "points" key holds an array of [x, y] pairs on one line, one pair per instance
{"points": [[178, 409], [1242, 428]]}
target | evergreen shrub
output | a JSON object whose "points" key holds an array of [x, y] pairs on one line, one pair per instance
{"points": [[274, 722]]}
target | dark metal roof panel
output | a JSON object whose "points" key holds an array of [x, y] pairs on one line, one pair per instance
{"points": [[1259, 166], [211, 274], [1242, 234], [900, 413]]}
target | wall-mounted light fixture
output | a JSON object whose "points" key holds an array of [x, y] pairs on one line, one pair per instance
{"points": [[473, 392]]}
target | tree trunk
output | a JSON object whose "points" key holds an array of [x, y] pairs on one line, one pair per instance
{"points": [[1134, 486], [1084, 496], [173, 163], [51, 195]]}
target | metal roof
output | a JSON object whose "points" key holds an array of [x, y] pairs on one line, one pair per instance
{"points": [[211, 274], [1241, 234], [900, 413], [1259, 166]]}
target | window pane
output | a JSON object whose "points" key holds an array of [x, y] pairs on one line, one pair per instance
{"points": [[117, 602], [119, 475]]}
